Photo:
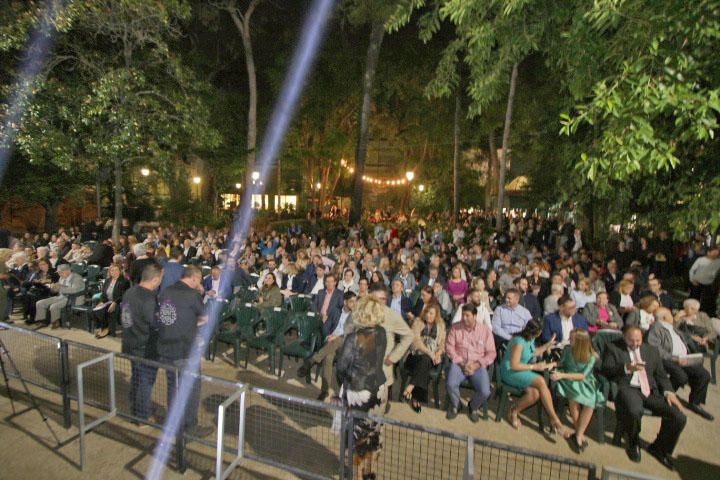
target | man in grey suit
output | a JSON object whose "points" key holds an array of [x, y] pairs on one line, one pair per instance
{"points": [[70, 283]]}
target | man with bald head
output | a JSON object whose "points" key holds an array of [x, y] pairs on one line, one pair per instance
{"points": [[674, 349], [638, 371]]}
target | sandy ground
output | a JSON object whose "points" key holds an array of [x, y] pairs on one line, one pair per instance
{"points": [[121, 450]]}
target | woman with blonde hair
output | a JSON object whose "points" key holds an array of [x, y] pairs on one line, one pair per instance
{"points": [[575, 381], [359, 370], [622, 297]]}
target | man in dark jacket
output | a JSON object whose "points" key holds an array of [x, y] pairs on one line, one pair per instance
{"points": [[180, 312], [102, 254], [139, 337], [642, 382], [527, 298], [328, 300]]}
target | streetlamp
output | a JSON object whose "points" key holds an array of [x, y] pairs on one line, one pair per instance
{"points": [[421, 188], [255, 176], [238, 186], [144, 172], [196, 181], [409, 175], [318, 186]]}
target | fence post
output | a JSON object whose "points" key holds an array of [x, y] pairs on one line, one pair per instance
{"points": [[343, 443], [180, 436], [350, 442], [470, 459], [65, 384]]}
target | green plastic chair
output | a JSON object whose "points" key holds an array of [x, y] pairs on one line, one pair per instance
{"points": [[79, 268], [304, 346], [300, 303], [245, 315], [275, 320]]}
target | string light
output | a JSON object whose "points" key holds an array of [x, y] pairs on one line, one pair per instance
{"points": [[394, 182]]}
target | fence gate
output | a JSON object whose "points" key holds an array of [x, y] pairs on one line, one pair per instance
{"points": [[84, 428]]}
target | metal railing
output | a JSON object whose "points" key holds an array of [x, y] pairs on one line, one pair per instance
{"points": [[309, 438], [610, 473], [84, 428]]}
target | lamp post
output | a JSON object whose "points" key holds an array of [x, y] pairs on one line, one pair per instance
{"points": [[409, 175], [144, 172], [421, 188]]}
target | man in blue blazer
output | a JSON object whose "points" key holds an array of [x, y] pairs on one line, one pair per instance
{"points": [[398, 301], [562, 322], [329, 300]]}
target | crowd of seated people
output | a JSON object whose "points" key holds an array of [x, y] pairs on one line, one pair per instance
{"points": [[526, 300]]}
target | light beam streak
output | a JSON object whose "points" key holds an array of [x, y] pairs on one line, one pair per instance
{"points": [[312, 34], [36, 55]]}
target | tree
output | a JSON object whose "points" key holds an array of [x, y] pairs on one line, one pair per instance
{"points": [[118, 93], [241, 19]]}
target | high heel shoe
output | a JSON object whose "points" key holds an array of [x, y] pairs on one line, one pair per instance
{"points": [[415, 405], [579, 446]]}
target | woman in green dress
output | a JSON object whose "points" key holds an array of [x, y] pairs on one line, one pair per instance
{"points": [[575, 381], [518, 369]]}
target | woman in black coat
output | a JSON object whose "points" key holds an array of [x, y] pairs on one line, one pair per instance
{"points": [[111, 294]]}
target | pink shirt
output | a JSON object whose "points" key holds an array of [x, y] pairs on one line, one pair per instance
{"points": [[465, 346]]}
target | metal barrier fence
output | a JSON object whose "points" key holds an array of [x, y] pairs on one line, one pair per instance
{"points": [[413, 451], [308, 438], [617, 474]]}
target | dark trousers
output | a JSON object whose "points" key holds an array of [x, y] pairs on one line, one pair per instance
{"points": [[102, 317], [142, 380], [693, 375], [419, 366], [630, 404], [187, 380]]}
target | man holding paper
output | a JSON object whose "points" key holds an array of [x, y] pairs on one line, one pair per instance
{"points": [[683, 367]]}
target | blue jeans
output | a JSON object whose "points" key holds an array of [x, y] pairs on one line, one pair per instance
{"points": [[480, 382], [142, 380], [193, 402]]}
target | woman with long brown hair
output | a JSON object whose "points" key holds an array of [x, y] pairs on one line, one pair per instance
{"points": [[427, 349]]}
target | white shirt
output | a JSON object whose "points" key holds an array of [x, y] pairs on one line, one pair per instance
{"points": [[626, 301], [635, 380], [340, 329], [646, 319], [704, 269], [319, 285], [567, 327], [482, 315], [678, 346]]}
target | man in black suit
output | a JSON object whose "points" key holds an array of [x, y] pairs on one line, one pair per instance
{"points": [[527, 298], [643, 384], [398, 301], [102, 254], [189, 250], [329, 301]]}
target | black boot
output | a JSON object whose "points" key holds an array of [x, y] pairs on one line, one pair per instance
{"points": [[304, 370]]}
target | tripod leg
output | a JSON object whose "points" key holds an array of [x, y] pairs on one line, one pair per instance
{"points": [[7, 384], [33, 400]]}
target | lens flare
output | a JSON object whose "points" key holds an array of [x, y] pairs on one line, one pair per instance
{"points": [[303, 58], [33, 62]]}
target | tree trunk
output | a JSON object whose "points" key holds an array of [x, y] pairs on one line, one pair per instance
{"points": [[456, 151], [492, 166], [118, 200], [377, 33], [50, 216], [505, 146], [98, 206], [242, 23]]}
